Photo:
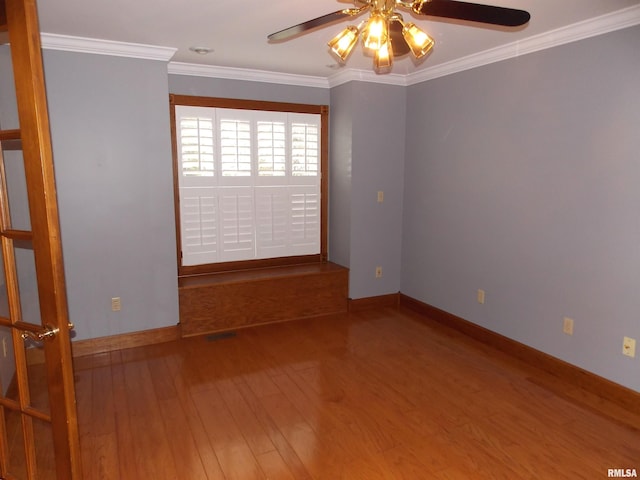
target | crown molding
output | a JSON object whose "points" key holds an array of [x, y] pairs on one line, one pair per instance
{"points": [[351, 74], [95, 46], [624, 18], [233, 73], [618, 20]]}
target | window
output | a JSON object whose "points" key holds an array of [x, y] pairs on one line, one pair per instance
{"points": [[250, 183]]}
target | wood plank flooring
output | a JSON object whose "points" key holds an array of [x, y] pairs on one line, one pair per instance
{"points": [[369, 395]]}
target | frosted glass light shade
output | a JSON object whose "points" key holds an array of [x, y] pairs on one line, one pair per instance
{"points": [[376, 32], [419, 42], [343, 43], [384, 57]]}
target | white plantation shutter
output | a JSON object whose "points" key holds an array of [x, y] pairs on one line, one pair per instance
{"points": [[272, 139], [199, 218], [237, 224], [305, 219], [272, 221], [196, 135], [235, 147], [305, 149], [249, 184], [196, 144]]}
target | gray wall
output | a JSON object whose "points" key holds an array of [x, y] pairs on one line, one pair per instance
{"points": [[242, 89], [522, 178], [367, 154], [112, 152], [340, 173]]}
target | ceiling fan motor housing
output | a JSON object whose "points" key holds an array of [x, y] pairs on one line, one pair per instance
{"points": [[385, 7]]}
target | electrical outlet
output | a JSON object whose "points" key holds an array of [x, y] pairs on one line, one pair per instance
{"points": [[480, 296], [629, 347], [116, 305], [380, 196], [378, 272], [567, 325]]}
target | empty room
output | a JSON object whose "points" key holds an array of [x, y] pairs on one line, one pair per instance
{"points": [[378, 239]]}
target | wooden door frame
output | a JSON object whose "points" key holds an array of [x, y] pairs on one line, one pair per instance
{"points": [[24, 37]]}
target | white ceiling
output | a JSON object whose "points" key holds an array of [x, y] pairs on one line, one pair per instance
{"points": [[237, 31]]}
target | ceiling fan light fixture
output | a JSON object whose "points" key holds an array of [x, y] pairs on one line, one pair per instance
{"points": [[343, 43], [383, 59], [380, 32], [419, 42], [376, 32]]}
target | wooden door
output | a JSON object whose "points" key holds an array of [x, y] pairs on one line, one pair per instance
{"points": [[38, 420]]}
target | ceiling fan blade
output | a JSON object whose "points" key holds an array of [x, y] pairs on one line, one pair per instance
{"points": [[474, 12], [315, 23]]}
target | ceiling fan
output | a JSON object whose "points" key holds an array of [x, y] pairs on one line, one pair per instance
{"points": [[385, 33]]}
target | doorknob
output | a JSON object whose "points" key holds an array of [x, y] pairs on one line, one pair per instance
{"points": [[47, 332]]}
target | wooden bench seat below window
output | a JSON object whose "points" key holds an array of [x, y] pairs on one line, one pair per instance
{"points": [[231, 300]]}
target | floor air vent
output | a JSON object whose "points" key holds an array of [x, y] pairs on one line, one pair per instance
{"points": [[220, 336]]}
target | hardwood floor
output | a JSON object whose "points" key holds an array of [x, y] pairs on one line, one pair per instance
{"points": [[368, 395]]}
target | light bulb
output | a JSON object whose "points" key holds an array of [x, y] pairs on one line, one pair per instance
{"points": [[376, 32]]}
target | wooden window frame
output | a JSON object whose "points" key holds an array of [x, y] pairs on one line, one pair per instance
{"points": [[197, 101]]}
